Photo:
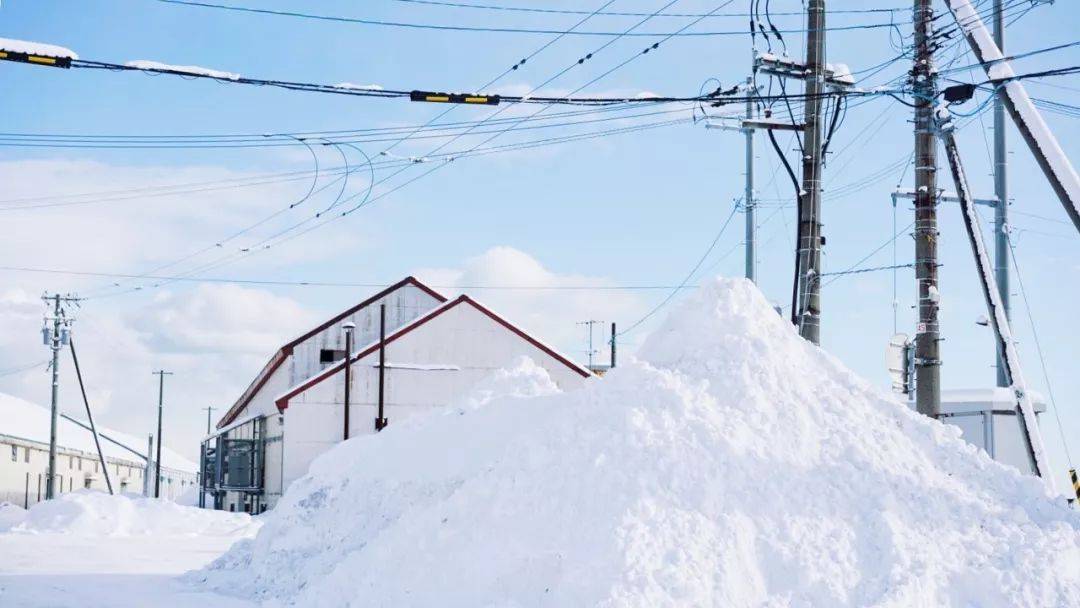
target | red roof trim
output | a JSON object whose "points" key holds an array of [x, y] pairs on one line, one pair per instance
{"points": [[283, 401], [285, 351]]}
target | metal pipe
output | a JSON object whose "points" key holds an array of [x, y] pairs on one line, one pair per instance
{"points": [[613, 334]]}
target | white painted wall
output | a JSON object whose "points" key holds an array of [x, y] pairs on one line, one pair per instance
{"points": [[402, 305], [463, 338], [24, 467]]}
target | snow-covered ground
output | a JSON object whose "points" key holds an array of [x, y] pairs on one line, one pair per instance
{"points": [[89, 550], [732, 465]]}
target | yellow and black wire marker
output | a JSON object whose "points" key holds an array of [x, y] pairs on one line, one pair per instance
{"points": [[431, 97], [58, 62]]}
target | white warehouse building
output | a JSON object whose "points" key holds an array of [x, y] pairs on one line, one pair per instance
{"points": [[24, 457], [433, 353]]}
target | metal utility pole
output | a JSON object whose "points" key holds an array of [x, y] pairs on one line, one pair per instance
{"points": [[160, 407], [613, 334], [380, 420], [589, 324], [55, 340], [748, 195], [1025, 413], [208, 409], [349, 327], [810, 240], [1001, 191], [927, 334]]}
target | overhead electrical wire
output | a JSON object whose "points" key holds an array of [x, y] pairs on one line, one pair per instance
{"points": [[290, 231], [555, 11], [489, 29]]}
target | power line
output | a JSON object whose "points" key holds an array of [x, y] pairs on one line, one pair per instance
{"points": [[554, 11], [689, 275], [316, 283], [487, 29]]}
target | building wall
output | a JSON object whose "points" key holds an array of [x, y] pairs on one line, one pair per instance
{"points": [[23, 478], [402, 306], [429, 368]]}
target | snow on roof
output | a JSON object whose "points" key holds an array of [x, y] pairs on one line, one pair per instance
{"points": [[36, 48], [358, 87], [28, 421], [145, 64]]}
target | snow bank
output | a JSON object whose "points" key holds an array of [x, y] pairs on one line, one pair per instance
{"points": [[736, 465], [36, 48], [92, 513], [144, 64]]}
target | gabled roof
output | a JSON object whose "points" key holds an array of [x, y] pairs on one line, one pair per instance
{"points": [[283, 400], [283, 353]]}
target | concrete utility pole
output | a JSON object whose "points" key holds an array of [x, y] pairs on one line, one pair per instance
{"points": [[160, 407], [927, 336], [1001, 191], [55, 340], [748, 195], [208, 409], [810, 218]]}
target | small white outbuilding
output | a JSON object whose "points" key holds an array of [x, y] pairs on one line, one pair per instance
{"points": [[434, 352]]}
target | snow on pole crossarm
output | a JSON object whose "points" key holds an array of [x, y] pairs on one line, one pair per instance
{"points": [[1040, 139], [1006, 345], [195, 70], [39, 53]]}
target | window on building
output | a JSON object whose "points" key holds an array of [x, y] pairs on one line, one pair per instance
{"points": [[14, 453], [78, 463], [330, 355], [71, 462], [87, 482], [26, 454]]}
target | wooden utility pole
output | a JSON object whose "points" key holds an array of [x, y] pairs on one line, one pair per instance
{"points": [[809, 303], [380, 419], [160, 438], [55, 338], [927, 334]]}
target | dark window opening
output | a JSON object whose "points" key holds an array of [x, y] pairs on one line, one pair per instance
{"points": [[329, 355]]}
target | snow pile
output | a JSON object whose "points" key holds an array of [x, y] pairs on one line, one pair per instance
{"points": [[36, 48], [91, 513], [735, 465], [10, 515], [144, 64], [522, 379]]}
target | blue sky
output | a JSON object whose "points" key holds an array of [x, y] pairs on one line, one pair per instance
{"points": [[634, 209]]}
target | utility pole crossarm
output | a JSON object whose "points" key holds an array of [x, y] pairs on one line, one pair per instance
{"points": [[1038, 136]]}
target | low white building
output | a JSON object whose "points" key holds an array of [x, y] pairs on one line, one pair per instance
{"points": [[24, 457], [434, 352]]}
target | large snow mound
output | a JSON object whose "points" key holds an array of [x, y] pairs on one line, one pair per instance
{"points": [[734, 464], [93, 513]]}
